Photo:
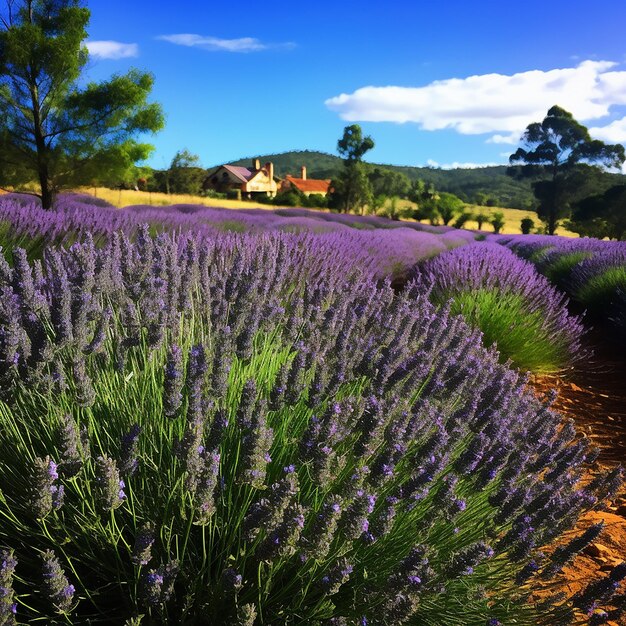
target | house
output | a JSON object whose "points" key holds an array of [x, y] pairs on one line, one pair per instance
{"points": [[308, 186], [247, 182]]}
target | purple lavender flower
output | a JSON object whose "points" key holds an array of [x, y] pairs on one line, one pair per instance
{"points": [[158, 584], [564, 554], [601, 590], [70, 446], [317, 541], [144, 540], [8, 605], [173, 381], [205, 491], [109, 487], [336, 576], [232, 580], [464, 561], [46, 495], [129, 461], [56, 586]]}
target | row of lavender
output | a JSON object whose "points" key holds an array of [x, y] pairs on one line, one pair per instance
{"points": [[590, 271], [516, 309], [519, 312], [388, 248], [252, 429]]}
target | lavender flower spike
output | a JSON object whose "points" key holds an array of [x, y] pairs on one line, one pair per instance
{"points": [[55, 584], [109, 486], [8, 606]]}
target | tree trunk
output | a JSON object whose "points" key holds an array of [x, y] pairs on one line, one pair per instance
{"points": [[47, 196]]}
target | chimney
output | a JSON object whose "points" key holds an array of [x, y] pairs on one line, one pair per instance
{"points": [[256, 164], [270, 170], [303, 174]]}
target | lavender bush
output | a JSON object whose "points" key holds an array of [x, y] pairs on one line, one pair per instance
{"points": [[514, 307], [590, 271], [252, 431]]}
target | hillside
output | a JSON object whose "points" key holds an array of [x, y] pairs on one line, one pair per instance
{"points": [[465, 183]]}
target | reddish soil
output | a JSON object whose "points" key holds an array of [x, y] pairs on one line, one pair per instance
{"points": [[594, 396]]}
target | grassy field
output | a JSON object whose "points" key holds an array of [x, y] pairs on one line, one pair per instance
{"points": [[128, 197], [124, 197]]}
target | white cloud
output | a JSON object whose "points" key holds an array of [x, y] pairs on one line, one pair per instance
{"points": [[490, 103], [214, 44], [112, 49], [457, 165], [510, 139], [615, 132]]}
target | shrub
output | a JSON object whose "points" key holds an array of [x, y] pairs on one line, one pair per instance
{"points": [[595, 281], [207, 435], [527, 225], [497, 221], [514, 307]]}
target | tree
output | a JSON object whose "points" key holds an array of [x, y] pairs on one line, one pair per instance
{"points": [[497, 221], [352, 188], [463, 218], [448, 206], [553, 151], [527, 225], [601, 215], [481, 218], [185, 175], [54, 132], [388, 183]]}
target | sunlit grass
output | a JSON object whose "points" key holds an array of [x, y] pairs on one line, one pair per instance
{"points": [[127, 197], [517, 333], [599, 292]]}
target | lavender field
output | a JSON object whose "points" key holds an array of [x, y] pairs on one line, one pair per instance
{"points": [[293, 417]]}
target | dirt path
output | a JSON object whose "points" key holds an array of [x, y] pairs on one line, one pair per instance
{"points": [[594, 396]]}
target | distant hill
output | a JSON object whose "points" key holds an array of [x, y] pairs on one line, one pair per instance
{"points": [[465, 183]]}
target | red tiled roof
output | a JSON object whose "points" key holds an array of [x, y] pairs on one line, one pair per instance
{"points": [[309, 184]]}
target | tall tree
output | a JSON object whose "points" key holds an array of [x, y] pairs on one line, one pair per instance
{"points": [[53, 132], [553, 151], [352, 189]]}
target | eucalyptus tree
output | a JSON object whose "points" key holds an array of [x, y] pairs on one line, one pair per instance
{"points": [[553, 151]]}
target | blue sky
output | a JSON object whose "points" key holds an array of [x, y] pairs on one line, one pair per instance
{"points": [[440, 83]]}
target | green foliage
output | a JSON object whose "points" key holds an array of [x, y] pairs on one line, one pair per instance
{"points": [[497, 221], [518, 334], [388, 183], [462, 219], [52, 130], [352, 145], [352, 189], [481, 218], [602, 215], [290, 197], [558, 269], [597, 294], [527, 225], [552, 153], [447, 205], [185, 175]]}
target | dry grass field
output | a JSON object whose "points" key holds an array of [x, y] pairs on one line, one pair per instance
{"points": [[127, 197]]}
